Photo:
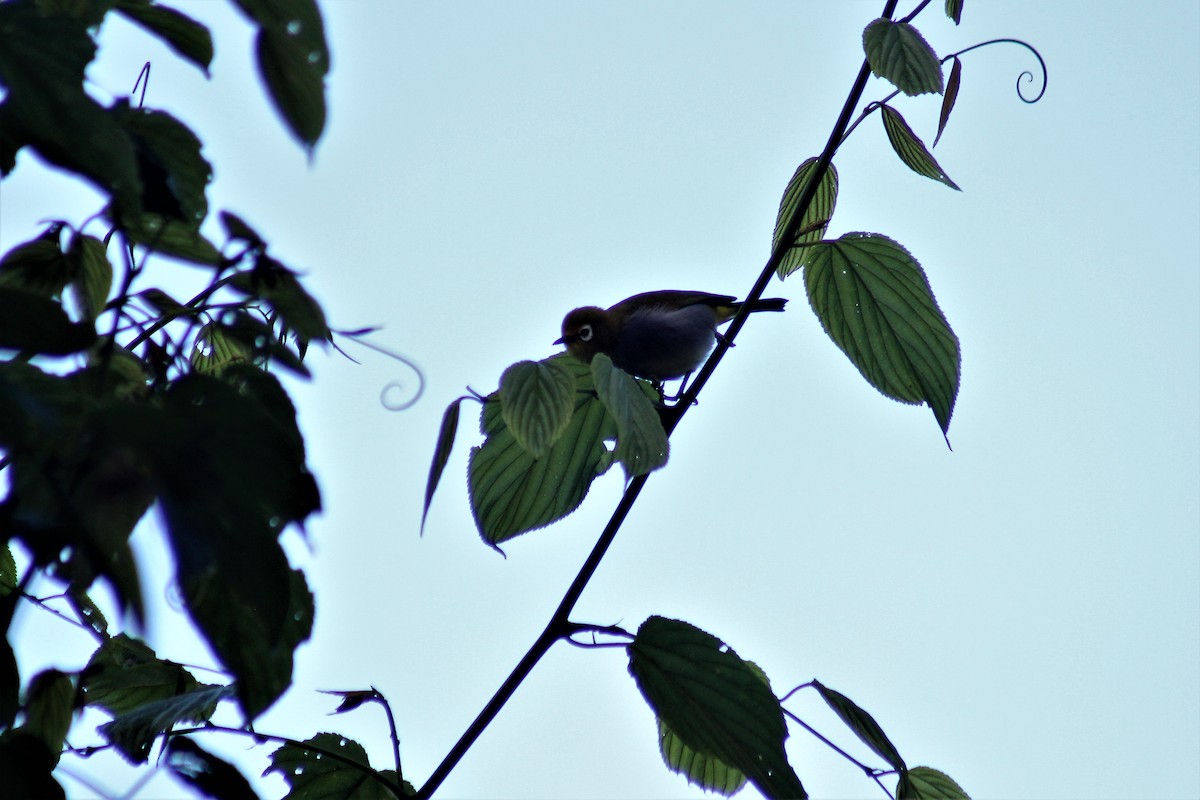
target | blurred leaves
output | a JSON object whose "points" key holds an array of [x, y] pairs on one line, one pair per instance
{"points": [[134, 733], [293, 59], [209, 775], [181, 33]]}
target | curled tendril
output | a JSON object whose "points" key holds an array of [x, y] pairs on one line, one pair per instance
{"points": [[1024, 76], [391, 388]]}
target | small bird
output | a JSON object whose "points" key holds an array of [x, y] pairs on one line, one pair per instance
{"points": [[659, 336]]}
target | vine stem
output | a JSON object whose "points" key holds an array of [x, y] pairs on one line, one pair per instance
{"points": [[559, 625]]}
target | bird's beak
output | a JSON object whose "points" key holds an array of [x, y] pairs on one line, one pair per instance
{"points": [[560, 340]]}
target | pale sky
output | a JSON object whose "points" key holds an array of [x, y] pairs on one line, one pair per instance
{"points": [[1022, 613]]}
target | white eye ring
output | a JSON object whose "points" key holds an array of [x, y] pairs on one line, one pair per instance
{"points": [[585, 333]]}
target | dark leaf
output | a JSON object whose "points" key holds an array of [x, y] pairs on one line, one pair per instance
{"points": [[10, 681], [207, 774], [38, 325], [898, 53], [42, 62], [312, 775], [293, 59], [26, 765], [262, 342], [134, 733], [441, 454], [8, 571], [816, 219], [949, 98], [874, 301], [124, 674], [273, 282], [237, 228], [181, 33], [863, 724], [714, 702], [353, 699], [911, 149]]}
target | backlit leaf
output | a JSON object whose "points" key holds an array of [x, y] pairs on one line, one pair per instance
{"points": [[874, 301], [911, 149], [642, 445], [8, 571], [536, 400], [898, 53], [273, 282], [49, 706], [172, 237], [954, 10], [714, 702], [816, 219]]}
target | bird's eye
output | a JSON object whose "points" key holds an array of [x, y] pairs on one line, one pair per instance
{"points": [[585, 333]]}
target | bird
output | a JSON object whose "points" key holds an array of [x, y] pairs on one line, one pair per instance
{"points": [[659, 336]]}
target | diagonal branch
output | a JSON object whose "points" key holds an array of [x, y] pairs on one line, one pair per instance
{"points": [[559, 627]]}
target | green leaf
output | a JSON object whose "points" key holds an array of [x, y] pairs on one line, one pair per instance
{"points": [[511, 492], [172, 237], [815, 220], [255, 337], [875, 303], [124, 674], [441, 454], [312, 775], [188, 38], [49, 705], [8, 571], [954, 10], [949, 98], [714, 702], [862, 724], [641, 441], [898, 53], [927, 783], [911, 149], [94, 274], [38, 325], [214, 350], [709, 773], [273, 282], [536, 400], [134, 733], [209, 775], [293, 59]]}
